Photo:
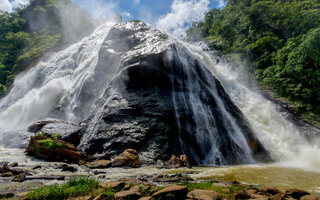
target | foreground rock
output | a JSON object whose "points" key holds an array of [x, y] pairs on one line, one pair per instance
{"points": [[128, 158], [99, 164], [297, 194], [177, 162], [67, 132], [54, 150], [171, 192], [310, 197], [133, 194], [204, 195]]}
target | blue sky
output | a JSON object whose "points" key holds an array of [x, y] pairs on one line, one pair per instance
{"points": [[136, 8], [172, 16]]}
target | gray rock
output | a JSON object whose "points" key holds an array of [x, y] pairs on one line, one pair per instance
{"points": [[70, 132], [147, 106]]}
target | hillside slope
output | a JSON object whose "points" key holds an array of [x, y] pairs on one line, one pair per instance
{"points": [[278, 40], [29, 33]]}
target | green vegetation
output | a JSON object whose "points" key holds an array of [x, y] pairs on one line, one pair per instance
{"points": [[278, 39], [76, 186], [49, 135], [33, 31], [49, 144]]}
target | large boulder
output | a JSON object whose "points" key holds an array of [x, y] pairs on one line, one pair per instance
{"points": [[163, 101], [54, 150], [173, 192], [66, 131], [128, 158]]}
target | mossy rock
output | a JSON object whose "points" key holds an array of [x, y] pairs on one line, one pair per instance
{"points": [[54, 150]]}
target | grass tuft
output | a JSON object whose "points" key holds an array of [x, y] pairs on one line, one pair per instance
{"points": [[74, 187]]}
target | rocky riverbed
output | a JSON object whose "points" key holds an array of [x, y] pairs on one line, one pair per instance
{"points": [[248, 176]]}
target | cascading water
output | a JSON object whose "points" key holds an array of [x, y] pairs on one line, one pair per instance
{"points": [[212, 129], [279, 136], [54, 87]]}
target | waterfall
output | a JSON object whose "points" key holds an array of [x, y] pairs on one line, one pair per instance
{"points": [[55, 87], [220, 119], [279, 136]]}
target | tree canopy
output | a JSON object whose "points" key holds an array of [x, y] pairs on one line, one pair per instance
{"points": [[279, 39], [29, 32]]}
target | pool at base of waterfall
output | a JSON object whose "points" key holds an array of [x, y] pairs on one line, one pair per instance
{"points": [[274, 175]]}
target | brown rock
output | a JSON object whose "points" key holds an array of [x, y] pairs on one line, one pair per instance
{"points": [[7, 174], [99, 164], [259, 197], [116, 185], [310, 197], [128, 158], [251, 191], [241, 195], [278, 196], [297, 194], [171, 192], [145, 198], [185, 161], [132, 194], [4, 168], [204, 195], [19, 178], [22, 194], [175, 161], [15, 164], [54, 150], [101, 197], [270, 190]]}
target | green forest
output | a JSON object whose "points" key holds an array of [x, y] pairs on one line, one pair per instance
{"points": [[279, 41], [31, 32]]}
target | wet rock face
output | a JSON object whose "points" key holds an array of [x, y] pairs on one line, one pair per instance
{"points": [[161, 101], [151, 105]]}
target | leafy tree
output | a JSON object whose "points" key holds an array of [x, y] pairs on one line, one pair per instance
{"points": [[279, 38]]}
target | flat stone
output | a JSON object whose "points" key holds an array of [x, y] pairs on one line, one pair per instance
{"points": [[128, 194], [175, 191], [259, 197], [270, 190], [251, 191], [101, 197], [241, 195], [203, 195], [15, 164], [22, 194], [99, 164], [145, 198], [7, 174], [310, 197], [116, 185], [278, 196], [297, 194], [19, 178]]}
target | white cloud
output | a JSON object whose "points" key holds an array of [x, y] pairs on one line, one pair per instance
{"points": [[136, 1], [5, 5], [182, 14], [221, 3], [19, 3]]}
